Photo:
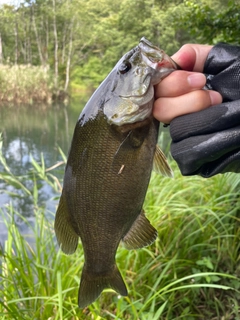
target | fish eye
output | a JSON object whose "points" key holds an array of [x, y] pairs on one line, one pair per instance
{"points": [[124, 67]]}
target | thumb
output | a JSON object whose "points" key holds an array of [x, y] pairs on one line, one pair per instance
{"points": [[192, 57]]}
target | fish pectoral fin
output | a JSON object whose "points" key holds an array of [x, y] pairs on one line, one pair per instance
{"points": [[160, 164], [92, 285], [141, 234], [66, 236]]}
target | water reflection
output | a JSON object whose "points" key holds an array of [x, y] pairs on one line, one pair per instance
{"points": [[32, 131], [29, 132]]}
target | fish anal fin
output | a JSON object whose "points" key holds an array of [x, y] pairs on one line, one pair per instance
{"points": [[92, 285], [160, 164], [66, 236], [141, 234]]}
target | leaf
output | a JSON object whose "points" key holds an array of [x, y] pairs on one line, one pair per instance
{"points": [[206, 261]]}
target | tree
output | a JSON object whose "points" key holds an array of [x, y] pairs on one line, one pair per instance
{"points": [[81, 41], [211, 22]]}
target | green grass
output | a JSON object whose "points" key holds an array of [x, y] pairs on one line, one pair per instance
{"points": [[192, 271]]}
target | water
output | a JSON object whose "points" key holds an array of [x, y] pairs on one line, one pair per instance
{"points": [[29, 132]]}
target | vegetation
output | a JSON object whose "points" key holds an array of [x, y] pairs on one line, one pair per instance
{"points": [[190, 272], [25, 84], [80, 41]]}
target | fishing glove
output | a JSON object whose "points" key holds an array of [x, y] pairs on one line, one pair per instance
{"points": [[208, 142]]}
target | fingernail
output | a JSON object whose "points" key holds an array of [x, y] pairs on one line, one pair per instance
{"points": [[215, 97], [196, 80]]}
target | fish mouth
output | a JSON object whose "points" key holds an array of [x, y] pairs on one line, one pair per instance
{"points": [[141, 91], [157, 60], [158, 65], [144, 67], [139, 114]]}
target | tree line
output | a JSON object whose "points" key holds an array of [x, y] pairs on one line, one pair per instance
{"points": [[81, 40]]}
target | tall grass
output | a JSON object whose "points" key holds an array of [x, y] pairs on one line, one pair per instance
{"points": [[25, 84], [192, 271]]}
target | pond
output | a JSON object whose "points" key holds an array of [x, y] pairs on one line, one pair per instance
{"points": [[29, 131]]}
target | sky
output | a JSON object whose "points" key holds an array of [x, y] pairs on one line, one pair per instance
{"points": [[12, 2]]}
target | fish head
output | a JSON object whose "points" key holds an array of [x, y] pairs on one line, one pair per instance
{"points": [[131, 94]]}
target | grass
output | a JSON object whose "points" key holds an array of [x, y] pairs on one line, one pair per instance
{"points": [[25, 84], [192, 271]]}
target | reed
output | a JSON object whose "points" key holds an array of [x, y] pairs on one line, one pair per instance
{"points": [[190, 272], [25, 84]]}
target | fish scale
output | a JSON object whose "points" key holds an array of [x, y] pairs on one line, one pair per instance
{"points": [[108, 170]]}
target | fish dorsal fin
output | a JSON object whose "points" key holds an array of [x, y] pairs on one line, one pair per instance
{"points": [[160, 164], [66, 236], [141, 234]]}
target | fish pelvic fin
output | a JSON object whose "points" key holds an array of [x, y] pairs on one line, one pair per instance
{"points": [[92, 285], [141, 234], [160, 164], [66, 236]]}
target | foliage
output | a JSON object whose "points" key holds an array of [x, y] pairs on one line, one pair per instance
{"points": [[212, 22], [82, 41], [25, 84], [190, 272]]}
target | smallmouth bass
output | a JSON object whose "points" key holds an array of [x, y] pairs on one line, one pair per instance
{"points": [[113, 150]]}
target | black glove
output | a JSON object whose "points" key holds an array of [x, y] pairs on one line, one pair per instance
{"points": [[208, 142]]}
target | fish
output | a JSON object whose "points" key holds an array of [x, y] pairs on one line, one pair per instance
{"points": [[112, 154]]}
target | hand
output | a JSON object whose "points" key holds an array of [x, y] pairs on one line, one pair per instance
{"points": [[207, 142], [181, 92]]}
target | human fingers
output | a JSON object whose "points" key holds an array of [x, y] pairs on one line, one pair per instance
{"points": [[165, 109], [178, 83], [192, 56]]}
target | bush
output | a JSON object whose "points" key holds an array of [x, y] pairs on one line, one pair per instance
{"points": [[25, 84], [190, 272]]}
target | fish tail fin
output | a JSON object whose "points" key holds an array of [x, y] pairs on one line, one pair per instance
{"points": [[92, 285]]}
